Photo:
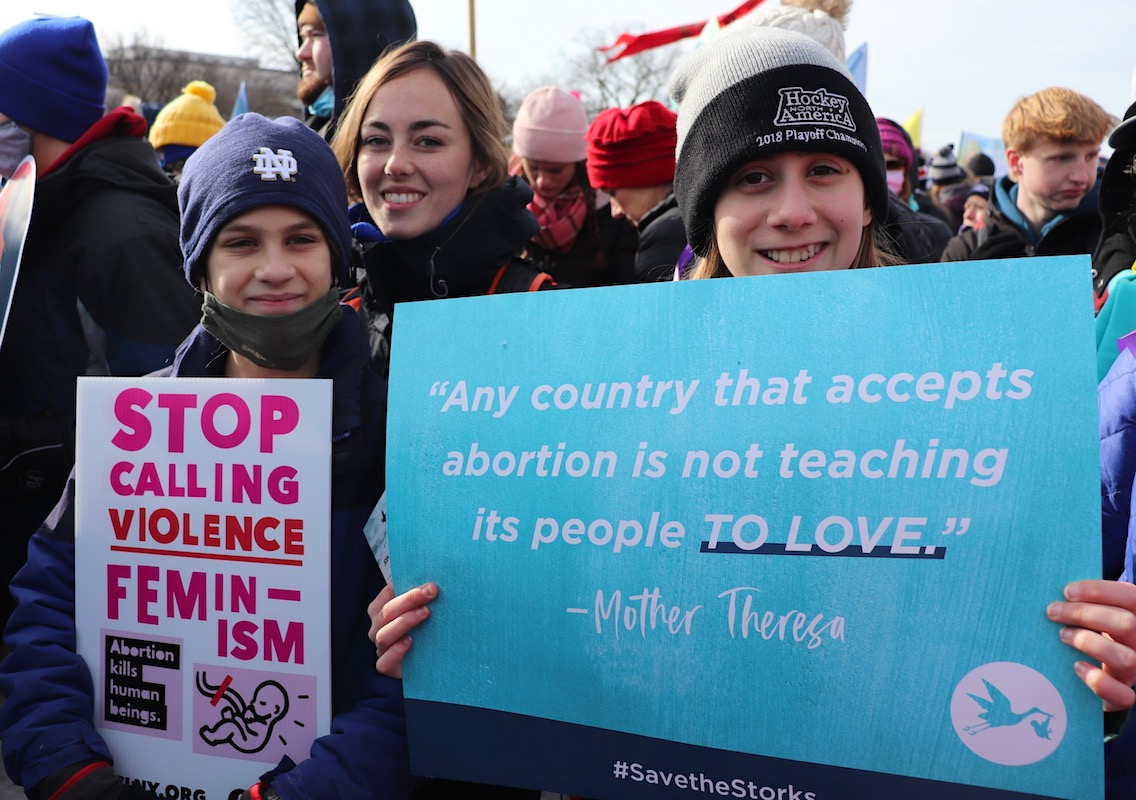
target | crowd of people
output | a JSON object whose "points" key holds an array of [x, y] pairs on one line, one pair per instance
{"points": [[157, 250]]}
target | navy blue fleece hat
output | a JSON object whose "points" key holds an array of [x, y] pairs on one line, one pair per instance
{"points": [[53, 78], [255, 161]]}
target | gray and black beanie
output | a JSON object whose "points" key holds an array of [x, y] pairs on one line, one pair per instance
{"points": [[756, 91]]}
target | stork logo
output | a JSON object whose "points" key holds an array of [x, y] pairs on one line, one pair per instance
{"points": [[1008, 713], [270, 166], [799, 106]]}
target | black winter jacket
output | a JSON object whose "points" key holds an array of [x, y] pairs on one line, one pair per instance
{"points": [[1004, 236], [915, 237], [662, 239], [602, 255], [100, 291], [473, 253]]}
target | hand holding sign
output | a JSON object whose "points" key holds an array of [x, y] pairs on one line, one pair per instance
{"points": [[1101, 622], [392, 619]]}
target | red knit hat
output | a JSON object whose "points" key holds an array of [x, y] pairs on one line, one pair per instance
{"points": [[632, 147]]}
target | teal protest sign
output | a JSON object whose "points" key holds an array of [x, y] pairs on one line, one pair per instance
{"points": [[776, 538]]}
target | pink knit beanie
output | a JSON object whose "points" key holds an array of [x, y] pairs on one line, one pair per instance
{"points": [[550, 126], [895, 141]]}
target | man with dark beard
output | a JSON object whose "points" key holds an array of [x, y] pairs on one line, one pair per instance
{"points": [[339, 40]]}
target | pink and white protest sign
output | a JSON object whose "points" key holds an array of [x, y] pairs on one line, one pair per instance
{"points": [[202, 579]]}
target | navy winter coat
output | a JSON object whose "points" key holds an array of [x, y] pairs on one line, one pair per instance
{"points": [[46, 723]]}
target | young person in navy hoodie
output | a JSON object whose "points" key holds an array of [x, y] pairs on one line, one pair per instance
{"points": [[267, 256]]}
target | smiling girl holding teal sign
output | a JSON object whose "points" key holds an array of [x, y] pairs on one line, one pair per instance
{"points": [[780, 170]]}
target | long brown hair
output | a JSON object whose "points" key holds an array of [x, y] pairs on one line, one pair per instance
{"points": [[469, 86]]}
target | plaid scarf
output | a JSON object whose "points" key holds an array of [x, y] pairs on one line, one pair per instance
{"points": [[560, 219]]}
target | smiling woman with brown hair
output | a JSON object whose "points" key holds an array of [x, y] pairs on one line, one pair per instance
{"points": [[436, 215]]}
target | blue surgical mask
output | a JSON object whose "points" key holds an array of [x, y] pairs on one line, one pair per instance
{"points": [[324, 104], [15, 143]]}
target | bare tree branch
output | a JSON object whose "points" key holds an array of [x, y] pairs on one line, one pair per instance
{"points": [[139, 65], [623, 83], [268, 28]]}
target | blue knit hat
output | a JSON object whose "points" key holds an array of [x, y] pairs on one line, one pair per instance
{"points": [[254, 162], [53, 78]]}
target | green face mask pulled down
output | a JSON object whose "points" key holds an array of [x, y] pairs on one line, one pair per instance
{"points": [[284, 342]]}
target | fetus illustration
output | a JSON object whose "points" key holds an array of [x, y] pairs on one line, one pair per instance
{"points": [[246, 727]]}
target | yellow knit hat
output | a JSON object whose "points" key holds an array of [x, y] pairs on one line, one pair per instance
{"points": [[189, 120]]}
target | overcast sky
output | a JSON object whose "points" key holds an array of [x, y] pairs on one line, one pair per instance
{"points": [[963, 61]]}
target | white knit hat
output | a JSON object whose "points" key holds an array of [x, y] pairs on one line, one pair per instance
{"points": [[821, 20]]}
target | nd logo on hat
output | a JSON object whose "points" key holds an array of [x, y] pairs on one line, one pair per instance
{"points": [[270, 166]]}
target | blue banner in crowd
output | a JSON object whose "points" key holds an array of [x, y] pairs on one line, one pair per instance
{"points": [[241, 104], [858, 67], [767, 538], [971, 144]]}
